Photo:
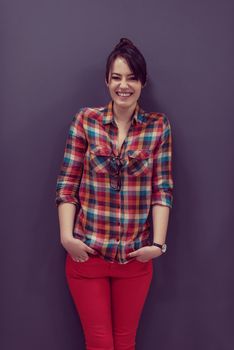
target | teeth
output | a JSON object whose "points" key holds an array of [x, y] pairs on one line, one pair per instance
{"points": [[123, 94]]}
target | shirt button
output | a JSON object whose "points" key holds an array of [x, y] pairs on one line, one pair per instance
{"points": [[117, 239], [118, 223]]}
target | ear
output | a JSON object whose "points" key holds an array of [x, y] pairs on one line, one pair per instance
{"points": [[107, 84]]}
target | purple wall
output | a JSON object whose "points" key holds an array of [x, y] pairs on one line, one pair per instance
{"points": [[52, 63]]}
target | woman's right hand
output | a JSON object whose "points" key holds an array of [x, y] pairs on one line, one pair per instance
{"points": [[77, 249]]}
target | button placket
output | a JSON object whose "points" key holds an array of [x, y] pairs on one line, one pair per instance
{"points": [[119, 216]]}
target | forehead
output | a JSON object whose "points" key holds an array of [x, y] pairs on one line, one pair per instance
{"points": [[120, 66]]}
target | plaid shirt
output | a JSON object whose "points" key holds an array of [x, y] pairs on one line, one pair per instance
{"points": [[113, 222]]}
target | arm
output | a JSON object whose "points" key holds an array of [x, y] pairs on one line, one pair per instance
{"points": [[160, 215], [66, 214], [161, 200], [162, 184], [68, 180]]}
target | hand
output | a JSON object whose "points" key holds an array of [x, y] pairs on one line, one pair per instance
{"points": [[77, 249], [146, 253]]}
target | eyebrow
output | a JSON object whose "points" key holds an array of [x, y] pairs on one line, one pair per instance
{"points": [[120, 74]]}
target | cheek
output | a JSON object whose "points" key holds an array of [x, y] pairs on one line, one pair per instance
{"points": [[138, 91], [111, 91], [112, 87], [137, 88]]}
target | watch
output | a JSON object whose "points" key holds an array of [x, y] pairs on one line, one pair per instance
{"points": [[162, 246]]}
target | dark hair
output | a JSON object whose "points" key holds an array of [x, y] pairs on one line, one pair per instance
{"points": [[126, 49]]}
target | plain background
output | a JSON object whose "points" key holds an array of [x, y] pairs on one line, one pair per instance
{"points": [[53, 56]]}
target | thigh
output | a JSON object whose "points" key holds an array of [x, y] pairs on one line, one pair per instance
{"points": [[128, 297], [91, 297]]}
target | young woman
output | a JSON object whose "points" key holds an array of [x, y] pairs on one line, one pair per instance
{"points": [[117, 165]]}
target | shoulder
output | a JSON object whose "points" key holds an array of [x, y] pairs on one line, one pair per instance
{"points": [[159, 119], [85, 113]]}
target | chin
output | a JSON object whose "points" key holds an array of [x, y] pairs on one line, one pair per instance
{"points": [[124, 104]]}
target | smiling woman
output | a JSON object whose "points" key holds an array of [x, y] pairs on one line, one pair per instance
{"points": [[124, 87], [116, 166], [125, 77], [134, 58]]}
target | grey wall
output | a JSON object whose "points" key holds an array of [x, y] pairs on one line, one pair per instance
{"points": [[52, 63]]}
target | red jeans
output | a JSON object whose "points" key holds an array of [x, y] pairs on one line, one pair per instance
{"points": [[109, 298]]}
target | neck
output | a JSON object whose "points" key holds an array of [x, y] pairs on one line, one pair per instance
{"points": [[123, 115]]}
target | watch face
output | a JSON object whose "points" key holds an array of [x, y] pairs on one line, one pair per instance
{"points": [[164, 248]]}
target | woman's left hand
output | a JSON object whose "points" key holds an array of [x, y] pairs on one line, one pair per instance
{"points": [[146, 253]]}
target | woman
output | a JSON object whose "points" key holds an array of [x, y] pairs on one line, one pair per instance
{"points": [[117, 165]]}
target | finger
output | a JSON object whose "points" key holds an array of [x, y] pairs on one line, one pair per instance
{"points": [[77, 258], [83, 257], [132, 254], [91, 251], [73, 258], [80, 259]]}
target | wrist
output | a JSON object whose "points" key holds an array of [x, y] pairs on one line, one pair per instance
{"points": [[156, 251], [162, 247], [67, 239]]}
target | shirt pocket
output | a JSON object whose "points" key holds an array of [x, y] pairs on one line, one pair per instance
{"points": [[99, 158], [138, 161]]}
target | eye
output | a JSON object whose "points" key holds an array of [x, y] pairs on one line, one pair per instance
{"points": [[115, 77], [133, 78]]}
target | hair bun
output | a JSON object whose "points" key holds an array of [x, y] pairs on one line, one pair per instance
{"points": [[124, 42]]}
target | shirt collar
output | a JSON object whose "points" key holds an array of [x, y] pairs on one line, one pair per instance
{"points": [[138, 116]]}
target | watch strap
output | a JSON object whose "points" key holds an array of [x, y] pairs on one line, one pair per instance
{"points": [[163, 247], [157, 245]]}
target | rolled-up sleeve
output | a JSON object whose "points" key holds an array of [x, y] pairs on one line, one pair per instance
{"points": [[71, 169], [162, 180]]}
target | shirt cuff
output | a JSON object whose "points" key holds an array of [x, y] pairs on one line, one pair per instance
{"points": [[162, 198], [66, 199]]}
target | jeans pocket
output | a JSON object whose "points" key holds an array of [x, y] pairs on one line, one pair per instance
{"points": [[144, 262], [78, 262]]}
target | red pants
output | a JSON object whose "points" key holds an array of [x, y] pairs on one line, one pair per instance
{"points": [[109, 298]]}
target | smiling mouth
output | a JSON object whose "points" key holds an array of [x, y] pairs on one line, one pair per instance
{"points": [[124, 94]]}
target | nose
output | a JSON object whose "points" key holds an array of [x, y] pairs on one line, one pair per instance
{"points": [[123, 83]]}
